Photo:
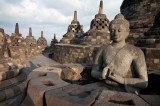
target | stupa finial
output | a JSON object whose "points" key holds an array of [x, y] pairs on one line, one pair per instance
{"points": [[101, 7]]}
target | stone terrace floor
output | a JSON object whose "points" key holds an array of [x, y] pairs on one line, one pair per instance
{"points": [[39, 61]]}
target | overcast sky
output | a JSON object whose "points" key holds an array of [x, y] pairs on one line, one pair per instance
{"points": [[51, 16]]}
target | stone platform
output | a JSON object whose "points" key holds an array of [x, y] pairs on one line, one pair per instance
{"points": [[43, 83], [46, 87]]}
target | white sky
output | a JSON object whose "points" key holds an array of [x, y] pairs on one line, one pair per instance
{"points": [[51, 16]]}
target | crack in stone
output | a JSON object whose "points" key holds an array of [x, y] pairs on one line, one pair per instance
{"points": [[96, 98]]}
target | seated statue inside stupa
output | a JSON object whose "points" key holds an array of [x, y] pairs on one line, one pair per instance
{"points": [[120, 65]]}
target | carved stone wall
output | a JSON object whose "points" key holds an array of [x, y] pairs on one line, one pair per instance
{"points": [[152, 58], [152, 36], [141, 14], [74, 53]]}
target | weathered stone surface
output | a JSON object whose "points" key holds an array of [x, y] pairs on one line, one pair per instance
{"points": [[30, 40], [33, 63], [151, 39], [4, 53], [98, 32], [120, 63], [42, 42], [74, 32], [13, 81], [38, 61], [141, 14], [152, 100], [12, 102], [152, 58], [71, 95], [38, 86], [54, 41], [9, 74], [45, 71], [86, 54], [12, 91], [72, 72], [114, 98], [148, 43], [17, 45], [103, 86], [74, 53], [31, 44], [3, 44]]}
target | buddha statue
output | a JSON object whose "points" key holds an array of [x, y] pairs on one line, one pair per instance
{"points": [[120, 65]]}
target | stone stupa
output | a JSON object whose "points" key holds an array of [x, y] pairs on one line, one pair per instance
{"points": [[30, 40], [74, 32], [31, 44], [42, 42], [98, 32], [17, 46], [54, 40]]}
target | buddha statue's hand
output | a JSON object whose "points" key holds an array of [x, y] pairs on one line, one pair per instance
{"points": [[105, 72], [116, 77]]}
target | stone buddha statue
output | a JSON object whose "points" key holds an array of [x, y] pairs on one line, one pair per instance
{"points": [[120, 64]]}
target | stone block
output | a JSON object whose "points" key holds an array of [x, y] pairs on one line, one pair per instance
{"points": [[11, 82], [152, 58], [4, 84], [2, 97], [156, 61], [114, 98], [9, 74], [45, 71], [12, 91], [152, 100], [71, 95], [72, 72], [38, 86]]}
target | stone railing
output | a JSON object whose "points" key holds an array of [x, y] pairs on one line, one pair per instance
{"points": [[85, 54], [64, 53]]}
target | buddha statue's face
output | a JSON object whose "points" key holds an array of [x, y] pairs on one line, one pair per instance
{"points": [[118, 32]]}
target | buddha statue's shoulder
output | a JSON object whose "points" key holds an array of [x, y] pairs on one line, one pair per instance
{"points": [[133, 49], [106, 47]]}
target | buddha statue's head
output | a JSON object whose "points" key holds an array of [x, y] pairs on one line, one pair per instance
{"points": [[119, 28]]}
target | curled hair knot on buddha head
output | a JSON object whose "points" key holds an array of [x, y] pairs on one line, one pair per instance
{"points": [[119, 19]]}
